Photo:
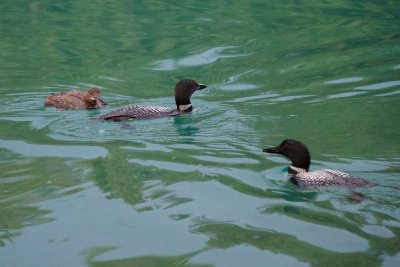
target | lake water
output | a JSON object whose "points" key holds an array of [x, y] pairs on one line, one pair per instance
{"points": [[196, 190]]}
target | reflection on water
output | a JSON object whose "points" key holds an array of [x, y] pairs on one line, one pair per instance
{"points": [[379, 86], [348, 94], [233, 84], [207, 57], [30, 150], [346, 80], [196, 189]]}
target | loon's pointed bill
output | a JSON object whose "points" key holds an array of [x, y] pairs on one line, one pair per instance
{"points": [[201, 86], [274, 150]]}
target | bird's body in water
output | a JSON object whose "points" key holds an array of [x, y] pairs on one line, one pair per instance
{"points": [[139, 112], [76, 100], [298, 153], [325, 177], [183, 91]]}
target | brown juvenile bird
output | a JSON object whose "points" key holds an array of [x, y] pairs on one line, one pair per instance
{"points": [[76, 99]]}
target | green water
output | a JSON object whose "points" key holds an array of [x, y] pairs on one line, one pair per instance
{"points": [[196, 190]]}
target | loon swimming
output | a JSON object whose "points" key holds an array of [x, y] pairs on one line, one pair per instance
{"points": [[76, 100], [298, 153], [183, 91]]}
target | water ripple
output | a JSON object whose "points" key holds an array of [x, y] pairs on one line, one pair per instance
{"points": [[70, 151], [204, 58], [255, 97], [232, 83], [221, 160], [390, 93], [378, 86], [347, 94], [244, 256], [345, 80], [290, 97]]}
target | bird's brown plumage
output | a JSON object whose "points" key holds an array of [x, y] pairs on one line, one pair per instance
{"points": [[76, 99]]}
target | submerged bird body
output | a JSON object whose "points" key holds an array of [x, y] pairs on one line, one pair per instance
{"points": [[327, 178], [139, 112], [298, 153], [76, 100], [183, 91]]}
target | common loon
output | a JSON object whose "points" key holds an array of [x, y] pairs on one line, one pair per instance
{"points": [[298, 153], [76, 100], [183, 91]]}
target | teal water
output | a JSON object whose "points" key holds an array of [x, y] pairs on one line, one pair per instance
{"points": [[196, 190]]}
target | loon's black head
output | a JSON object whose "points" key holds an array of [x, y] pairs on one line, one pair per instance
{"points": [[183, 91], [294, 150]]}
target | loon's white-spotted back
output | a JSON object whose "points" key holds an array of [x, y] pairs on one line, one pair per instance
{"points": [[183, 91], [139, 112], [298, 153]]}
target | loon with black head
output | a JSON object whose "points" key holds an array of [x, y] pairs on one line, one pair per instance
{"points": [[183, 91], [300, 156]]}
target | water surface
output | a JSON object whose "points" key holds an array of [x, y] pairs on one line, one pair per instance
{"points": [[196, 190]]}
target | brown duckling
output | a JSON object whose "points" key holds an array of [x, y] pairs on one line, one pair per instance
{"points": [[76, 99]]}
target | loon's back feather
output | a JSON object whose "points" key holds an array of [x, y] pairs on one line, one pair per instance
{"points": [[142, 112], [328, 178]]}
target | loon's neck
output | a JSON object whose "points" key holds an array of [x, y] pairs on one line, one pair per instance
{"points": [[296, 170], [185, 108], [301, 160]]}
